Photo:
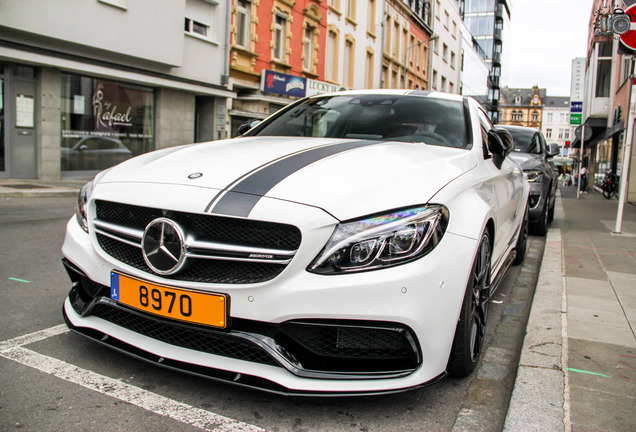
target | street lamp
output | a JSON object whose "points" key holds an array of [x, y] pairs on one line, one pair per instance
{"points": [[406, 56]]}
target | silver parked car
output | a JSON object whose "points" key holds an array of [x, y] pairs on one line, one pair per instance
{"points": [[535, 158]]}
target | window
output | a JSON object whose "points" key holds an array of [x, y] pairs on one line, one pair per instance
{"points": [[535, 116], [196, 27], [443, 87], [603, 77], [371, 17], [368, 78], [243, 23], [351, 9], [405, 38], [308, 47], [332, 57], [550, 116], [446, 19], [548, 133], [517, 100], [348, 63], [561, 133], [564, 118], [280, 33], [435, 79], [452, 59], [396, 42], [103, 122], [445, 52], [566, 134]]}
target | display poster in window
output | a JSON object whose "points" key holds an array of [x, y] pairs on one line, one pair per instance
{"points": [[24, 111], [104, 122]]}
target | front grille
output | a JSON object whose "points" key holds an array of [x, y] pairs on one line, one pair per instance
{"points": [[194, 338], [120, 227], [199, 270]]}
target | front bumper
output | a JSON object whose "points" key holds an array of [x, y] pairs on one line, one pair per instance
{"points": [[301, 333]]}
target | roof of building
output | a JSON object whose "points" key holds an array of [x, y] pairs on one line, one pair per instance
{"points": [[556, 102], [508, 95]]}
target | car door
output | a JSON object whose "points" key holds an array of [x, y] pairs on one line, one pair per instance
{"points": [[507, 203]]}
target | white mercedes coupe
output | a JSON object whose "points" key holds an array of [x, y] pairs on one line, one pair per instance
{"points": [[347, 245]]}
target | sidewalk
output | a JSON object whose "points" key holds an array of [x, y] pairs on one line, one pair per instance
{"points": [[577, 370], [16, 188]]}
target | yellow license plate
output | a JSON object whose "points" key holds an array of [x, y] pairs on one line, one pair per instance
{"points": [[175, 303]]}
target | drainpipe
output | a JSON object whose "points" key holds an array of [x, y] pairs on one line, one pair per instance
{"points": [[225, 78]]}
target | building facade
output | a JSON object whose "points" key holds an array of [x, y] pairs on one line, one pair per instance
{"points": [[607, 89], [555, 122], [522, 107], [447, 47], [406, 52], [489, 23], [78, 98]]}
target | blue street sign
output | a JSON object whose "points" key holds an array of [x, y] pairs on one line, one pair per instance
{"points": [[576, 107]]}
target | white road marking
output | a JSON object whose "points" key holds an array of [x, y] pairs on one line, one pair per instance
{"points": [[13, 350]]}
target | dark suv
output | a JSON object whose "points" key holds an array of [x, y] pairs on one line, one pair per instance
{"points": [[535, 158]]}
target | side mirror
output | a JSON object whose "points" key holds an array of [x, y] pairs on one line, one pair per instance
{"points": [[500, 144], [246, 126], [553, 149]]}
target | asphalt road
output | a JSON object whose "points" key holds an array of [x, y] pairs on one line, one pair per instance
{"points": [[55, 380]]}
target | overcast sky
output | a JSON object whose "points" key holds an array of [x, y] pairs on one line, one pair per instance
{"points": [[545, 36]]}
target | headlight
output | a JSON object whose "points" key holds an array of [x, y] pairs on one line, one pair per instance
{"points": [[82, 202], [533, 175], [382, 241]]}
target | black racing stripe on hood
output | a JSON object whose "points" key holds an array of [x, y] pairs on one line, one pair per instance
{"points": [[244, 195]]}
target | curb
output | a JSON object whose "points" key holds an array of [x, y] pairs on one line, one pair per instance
{"points": [[538, 401]]}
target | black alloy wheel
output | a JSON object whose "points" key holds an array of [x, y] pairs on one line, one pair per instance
{"points": [[471, 328]]}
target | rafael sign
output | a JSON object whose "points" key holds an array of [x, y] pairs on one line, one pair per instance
{"points": [[629, 39]]}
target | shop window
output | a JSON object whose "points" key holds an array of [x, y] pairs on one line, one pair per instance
{"points": [[103, 123]]}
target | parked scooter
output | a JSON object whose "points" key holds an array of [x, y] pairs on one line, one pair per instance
{"points": [[610, 185]]}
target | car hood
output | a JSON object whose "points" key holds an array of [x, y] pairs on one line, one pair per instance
{"points": [[528, 161], [347, 178]]}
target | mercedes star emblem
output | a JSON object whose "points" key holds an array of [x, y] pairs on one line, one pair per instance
{"points": [[163, 246]]}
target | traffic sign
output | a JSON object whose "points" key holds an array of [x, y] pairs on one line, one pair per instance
{"points": [[578, 131], [629, 39], [575, 118]]}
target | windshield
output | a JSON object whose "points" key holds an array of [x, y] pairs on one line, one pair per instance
{"points": [[373, 117], [526, 140]]}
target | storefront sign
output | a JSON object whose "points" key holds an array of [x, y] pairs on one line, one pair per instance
{"points": [[283, 84], [295, 86], [576, 107], [575, 118]]}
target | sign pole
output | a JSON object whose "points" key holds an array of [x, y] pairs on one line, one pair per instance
{"points": [[627, 156], [578, 184]]}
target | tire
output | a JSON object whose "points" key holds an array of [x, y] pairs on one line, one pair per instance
{"points": [[551, 209], [522, 241], [471, 327], [541, 226]]}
